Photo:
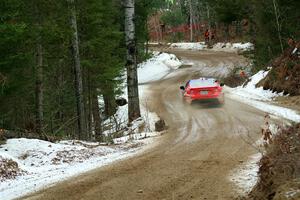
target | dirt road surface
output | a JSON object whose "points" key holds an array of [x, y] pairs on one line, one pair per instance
{"points": [[192, 160]]}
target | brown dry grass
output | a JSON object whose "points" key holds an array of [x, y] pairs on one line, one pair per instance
{"points": [[280, 165], [9, 169], [285, 74]]}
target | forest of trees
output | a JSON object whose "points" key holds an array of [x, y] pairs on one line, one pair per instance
{"points": [[271, 22], [59, 56]]}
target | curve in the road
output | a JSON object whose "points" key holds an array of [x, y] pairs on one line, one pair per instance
{"points": [[192, 161]]}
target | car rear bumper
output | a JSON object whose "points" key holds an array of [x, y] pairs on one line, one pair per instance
{"points": [[207, 98]]}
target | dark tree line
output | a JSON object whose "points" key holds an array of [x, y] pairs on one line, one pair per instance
{"points": [[58, 58], [271, 22]]}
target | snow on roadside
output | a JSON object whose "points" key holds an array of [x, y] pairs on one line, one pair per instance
{"points": [[189, 45], [245, 176], [153, 69], [260, 98], [233, 47], [227, 47], [46, 163], [250, 91], [157, 67]]}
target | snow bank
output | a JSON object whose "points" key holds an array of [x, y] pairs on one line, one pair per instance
{"points": [[157, 67], [228, 47], [45, 163], [233, 47], [245, 177], [147, 120], [261, 99], [189, 45], [153, 69], [250, 91]]}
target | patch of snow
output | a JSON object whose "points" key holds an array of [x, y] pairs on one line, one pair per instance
{"points": [[260, 98], [189, 45], [228, 47], [148, 118], [46, 163], [292, 193], [157, 67], [244, 47], [233, 47], [276, 110], [250, 91], [136, 136], [153, 43], [245, 176]]}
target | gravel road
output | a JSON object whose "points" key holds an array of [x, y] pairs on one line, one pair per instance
{"points": [[192, 160]]}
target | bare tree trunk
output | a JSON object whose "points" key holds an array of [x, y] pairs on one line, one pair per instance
{"points": [[90, 106], [157, 29], [39, 89], [277, 15], [39, 76], [78, 74], [191, 21], [110, 107], [227, 32], [209, 25], [132, 80], [96, 118]]}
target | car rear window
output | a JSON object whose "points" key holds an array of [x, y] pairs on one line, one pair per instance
{"points": [[203, 82]]}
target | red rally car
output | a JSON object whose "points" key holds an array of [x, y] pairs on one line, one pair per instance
{"points": [[203, 89]]}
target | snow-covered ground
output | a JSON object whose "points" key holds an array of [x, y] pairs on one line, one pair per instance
{"points": [[227, 47], [157, 67], [233, 47], [250, 91], [245, 176], [189, 45], [45, 163], [262, 99], [41, 164]]}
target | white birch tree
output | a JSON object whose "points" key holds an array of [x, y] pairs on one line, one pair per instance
{"points": [[131, 64]]}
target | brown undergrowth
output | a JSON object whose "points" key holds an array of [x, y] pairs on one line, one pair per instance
{"points": [[285, 73], [279, 168], [9, 169]]}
